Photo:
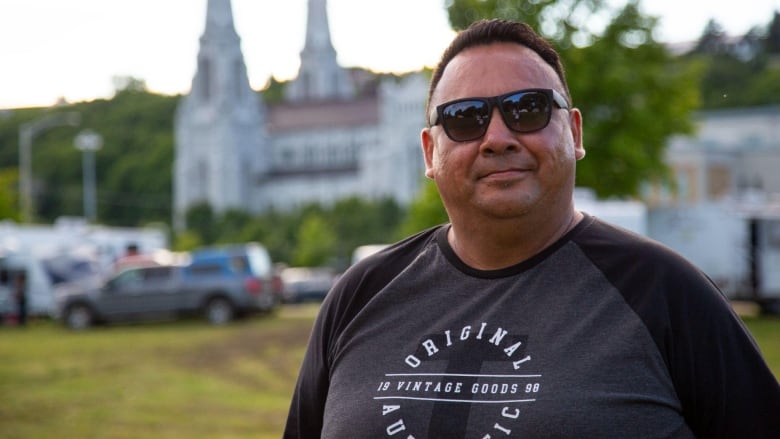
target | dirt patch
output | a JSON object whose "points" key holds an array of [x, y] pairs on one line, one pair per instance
{"points": [[275, 347]]}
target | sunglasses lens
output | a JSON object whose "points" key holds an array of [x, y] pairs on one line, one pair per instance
{"points": [[526, 111], [465, 120]]}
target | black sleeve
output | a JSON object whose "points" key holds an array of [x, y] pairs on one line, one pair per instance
{"points": [[724, 385], [304, 419], [347, 297]]}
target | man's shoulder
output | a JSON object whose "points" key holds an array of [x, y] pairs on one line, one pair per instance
{"points": [[638, 265], [628, 258], [367, 277], [390, 260], [604, 240]]}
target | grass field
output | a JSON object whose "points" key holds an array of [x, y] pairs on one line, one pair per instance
{"points": [[171, 380]]}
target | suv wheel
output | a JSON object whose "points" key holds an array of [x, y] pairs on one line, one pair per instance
{"points": [[219, 311], [267, 303], [78, 316]]}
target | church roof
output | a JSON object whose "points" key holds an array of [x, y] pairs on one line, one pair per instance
{"points": [[310, 115]]}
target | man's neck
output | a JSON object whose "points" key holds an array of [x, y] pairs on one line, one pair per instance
{"points": [[503, 243]]}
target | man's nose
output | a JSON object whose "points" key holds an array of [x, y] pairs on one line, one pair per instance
{"points": [[498, 138]]}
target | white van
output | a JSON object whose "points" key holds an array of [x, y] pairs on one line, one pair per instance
{"points": [[42, 277], [366, 250], [40, 298]]}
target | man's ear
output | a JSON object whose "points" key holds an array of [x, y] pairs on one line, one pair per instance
{"points": [[575, 123], [426, 141]]}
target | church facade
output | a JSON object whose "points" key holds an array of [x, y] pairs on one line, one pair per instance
{"points": [[324, 142]]}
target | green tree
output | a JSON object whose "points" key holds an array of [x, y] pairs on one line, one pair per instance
{"points": [[633, 94], [186, 241], [358, 221], [712, 40], [737, 75], [8, 190], [316, 242], [230, 225], [724, 81], [560, 20], [772, 42], [128, 83], [133, 168], [763, 88], [273, 93], [424, 212], [277, 231], [202, 222]]}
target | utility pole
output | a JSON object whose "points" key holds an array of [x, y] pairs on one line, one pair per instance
{"points": [[88, 141], [27, 133]]}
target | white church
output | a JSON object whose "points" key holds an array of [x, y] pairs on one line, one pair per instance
{"points": [[324, 142]]}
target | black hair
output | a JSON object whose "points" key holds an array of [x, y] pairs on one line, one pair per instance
{"points": [[486, 32]]}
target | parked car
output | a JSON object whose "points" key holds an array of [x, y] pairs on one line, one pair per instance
{"points": [[306, 283], [219, 284], [238, 263], [155, 258]]}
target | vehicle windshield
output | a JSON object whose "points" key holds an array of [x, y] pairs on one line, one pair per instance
{"points": [[259, 261], [62, 268]]}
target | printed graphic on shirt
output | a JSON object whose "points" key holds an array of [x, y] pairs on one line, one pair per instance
{"points": [[446, 371]]}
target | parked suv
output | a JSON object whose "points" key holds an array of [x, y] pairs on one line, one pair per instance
{"points": [[243, 267], [218, 283]]}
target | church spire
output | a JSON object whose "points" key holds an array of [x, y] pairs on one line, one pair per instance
{"points": [[319, 76], [219, 18], [317, 29], [221, 77], [219, 125]]}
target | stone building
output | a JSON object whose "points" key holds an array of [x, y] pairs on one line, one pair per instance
{"points": [[324, 142], [723, 211], [733, 156]]}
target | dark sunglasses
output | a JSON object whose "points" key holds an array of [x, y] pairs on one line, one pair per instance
{"points": [[523, 111]]}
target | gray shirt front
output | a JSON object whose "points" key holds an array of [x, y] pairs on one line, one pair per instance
{"points": [[552, 347]]}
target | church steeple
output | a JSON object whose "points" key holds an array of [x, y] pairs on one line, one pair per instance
{"points": [[220, 134], [319, 76], [219, 19], [317, 28], [221, 76]]}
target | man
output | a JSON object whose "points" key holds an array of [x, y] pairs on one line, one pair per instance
{"points": [[524, 317]]}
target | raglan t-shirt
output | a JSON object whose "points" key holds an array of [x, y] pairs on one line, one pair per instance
{"points": [[604, 334]]}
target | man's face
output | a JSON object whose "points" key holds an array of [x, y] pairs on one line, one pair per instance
{"points": [[503, 174]]}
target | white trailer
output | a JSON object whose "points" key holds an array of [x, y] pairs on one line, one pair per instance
{"points": [[736, 245], [67, 250]]}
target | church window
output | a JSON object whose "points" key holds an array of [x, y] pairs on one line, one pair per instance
{"points": [[718, 181], [238, 67], [204, 68], [333, 155], [306, 81], [308, 155], [201, 180], [245, 178], [352, 152], [287, 156]]}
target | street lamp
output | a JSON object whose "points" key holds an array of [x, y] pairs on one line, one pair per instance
{"points": [[88, 141], [27, 132]]}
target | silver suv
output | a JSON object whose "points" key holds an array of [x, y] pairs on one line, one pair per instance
{"points": [[218, 283]]}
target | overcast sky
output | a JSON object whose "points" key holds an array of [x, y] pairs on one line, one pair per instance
{"points": [[73, 48]]}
